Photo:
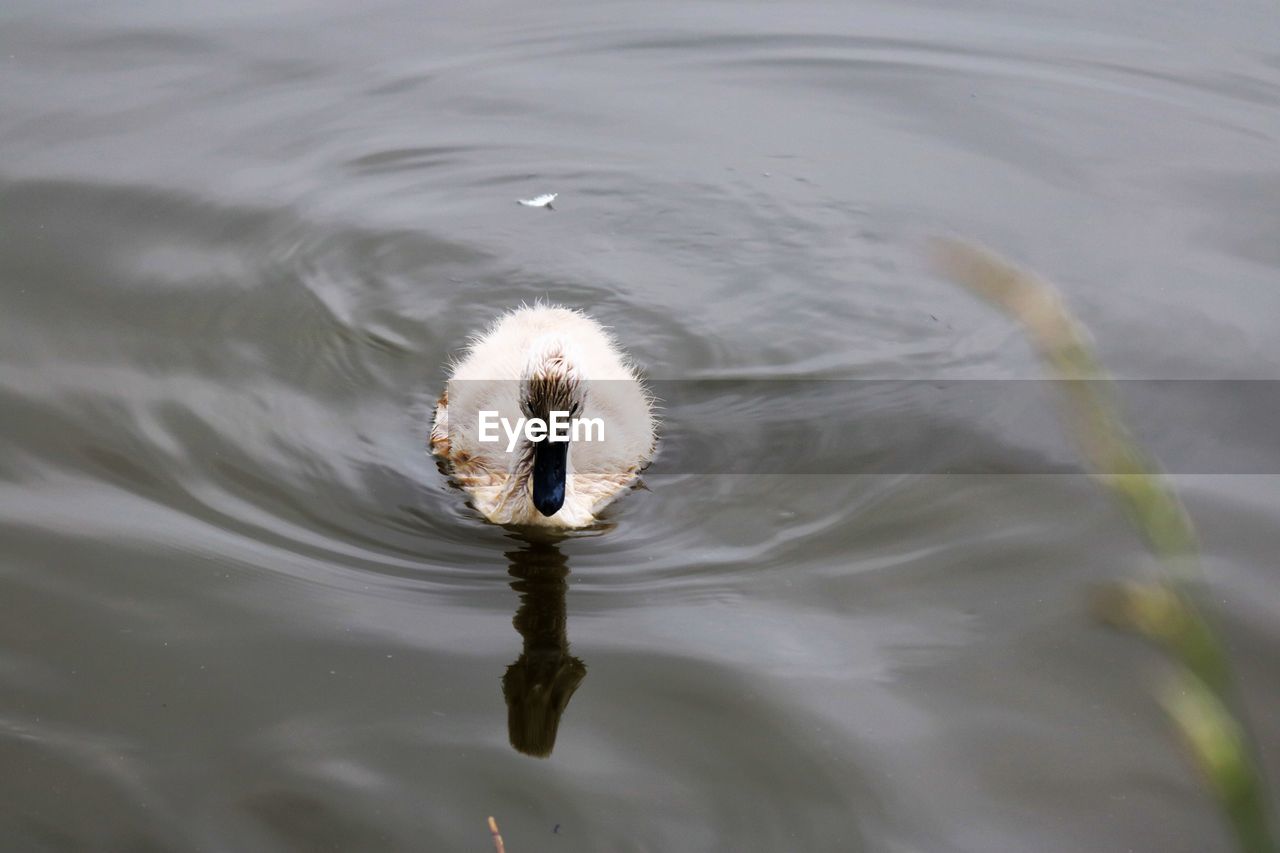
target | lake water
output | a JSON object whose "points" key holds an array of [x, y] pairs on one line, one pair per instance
{"points": [[242, 610]]}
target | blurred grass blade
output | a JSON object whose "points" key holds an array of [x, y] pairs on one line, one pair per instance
{"points": [[1219, 748], [1163, 611], [1164, 614], [1092, 412]]}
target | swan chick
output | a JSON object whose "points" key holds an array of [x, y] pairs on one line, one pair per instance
{"points": [[536, 367]]}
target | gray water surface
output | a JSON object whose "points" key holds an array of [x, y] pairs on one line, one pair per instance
{"points": [[242, 610]]}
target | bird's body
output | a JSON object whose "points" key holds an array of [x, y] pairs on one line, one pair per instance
{"points": [[531, 363]]}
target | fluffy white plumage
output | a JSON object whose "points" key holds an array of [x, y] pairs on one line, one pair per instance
{"points": [[544, 350]]}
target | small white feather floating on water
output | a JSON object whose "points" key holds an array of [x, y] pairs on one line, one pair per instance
{"points": [[543, 200]]}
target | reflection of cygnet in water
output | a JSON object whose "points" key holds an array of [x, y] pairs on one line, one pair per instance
{"points": [[539, 684]]}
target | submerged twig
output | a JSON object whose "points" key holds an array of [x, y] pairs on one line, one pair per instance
{"points": [[497, 836], [1164, 611]]}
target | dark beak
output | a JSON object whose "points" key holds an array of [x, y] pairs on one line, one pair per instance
{"points": [[549, 471]]}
